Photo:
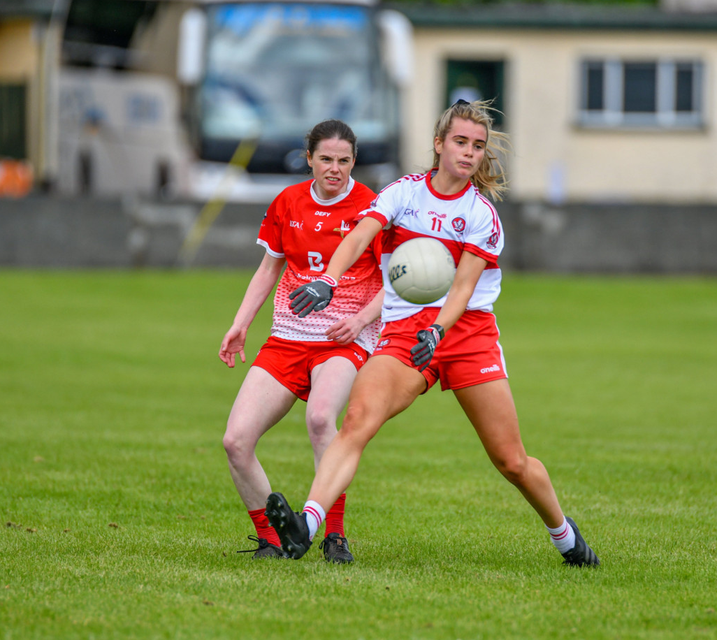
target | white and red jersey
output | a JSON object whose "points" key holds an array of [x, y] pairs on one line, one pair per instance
{"points": [[306, 231], [465, 221]]}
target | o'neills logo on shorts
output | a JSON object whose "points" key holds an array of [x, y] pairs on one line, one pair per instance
{"points": [[495, 367], [382, 344]]}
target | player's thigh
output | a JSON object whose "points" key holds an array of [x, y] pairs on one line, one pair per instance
{"points": [[491, 410], [261, 402], [331, 383], [384, 387]]}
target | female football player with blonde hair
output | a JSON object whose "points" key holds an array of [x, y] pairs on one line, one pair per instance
{"points": [[454, 340]]}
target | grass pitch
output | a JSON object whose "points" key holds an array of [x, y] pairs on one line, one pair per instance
{"points": [[119, 518]]}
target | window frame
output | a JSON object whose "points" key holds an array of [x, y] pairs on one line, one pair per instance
{"points": [[613, 114]]}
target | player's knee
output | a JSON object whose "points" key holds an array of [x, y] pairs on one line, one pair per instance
{"points": [[237, 447], [354, 418], [513, 468], [359, 423], [321, 424], [230, 445]]}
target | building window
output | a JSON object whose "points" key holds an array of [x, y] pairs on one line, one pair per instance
{"points": [[641, 93], [13, 121]]}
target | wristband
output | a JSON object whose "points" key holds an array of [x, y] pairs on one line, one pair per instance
{"points": [[437, 328], [328, 280]]}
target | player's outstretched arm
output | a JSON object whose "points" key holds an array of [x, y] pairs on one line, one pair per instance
{"points": [[346, 331], [261, 285], [470, 268], [316, 295], [352, 246]]}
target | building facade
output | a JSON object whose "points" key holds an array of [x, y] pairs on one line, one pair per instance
{"points": [[29, 60], [603, 104]]}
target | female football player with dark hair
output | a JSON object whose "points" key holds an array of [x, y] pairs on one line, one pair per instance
{"points": [[317, 360]]}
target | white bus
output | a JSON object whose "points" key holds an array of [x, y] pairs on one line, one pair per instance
{"points": [[248, 80]]}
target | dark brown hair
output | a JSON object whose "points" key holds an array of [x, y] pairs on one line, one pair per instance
{"points": [[327, 130]]}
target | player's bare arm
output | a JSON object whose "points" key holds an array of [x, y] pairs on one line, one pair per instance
{"points": [[469, 270], [346, 331], [316, 295], [352, 246], [259, 289]]}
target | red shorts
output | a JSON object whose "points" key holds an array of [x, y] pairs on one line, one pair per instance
{"points": [[291, 362], [470, 353]]}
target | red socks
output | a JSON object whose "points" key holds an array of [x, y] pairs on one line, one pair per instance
{"points": [[335, 517], [263, 528], [334, 522]]}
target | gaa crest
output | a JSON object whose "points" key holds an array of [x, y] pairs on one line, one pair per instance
{"points": [[459, 224]]}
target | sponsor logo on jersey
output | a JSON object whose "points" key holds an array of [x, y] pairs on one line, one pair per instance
{"points": [[296, 224], [493, 240], [322, 213], [443, 216], [495, 367], [459, 225], [345, 227], [315, 261]]}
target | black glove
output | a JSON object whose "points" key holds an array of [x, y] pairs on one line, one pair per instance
{"points": [[428, 340], [312, 296]]}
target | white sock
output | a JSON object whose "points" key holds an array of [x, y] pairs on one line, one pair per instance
{"points": [[314, 517], [563, 537]]}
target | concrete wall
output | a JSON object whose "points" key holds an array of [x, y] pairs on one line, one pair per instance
{"points": [[39, 232], [77, 233], [580, 238]]}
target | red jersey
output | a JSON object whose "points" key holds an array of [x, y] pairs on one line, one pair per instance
{"points": [[306, 231]]}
